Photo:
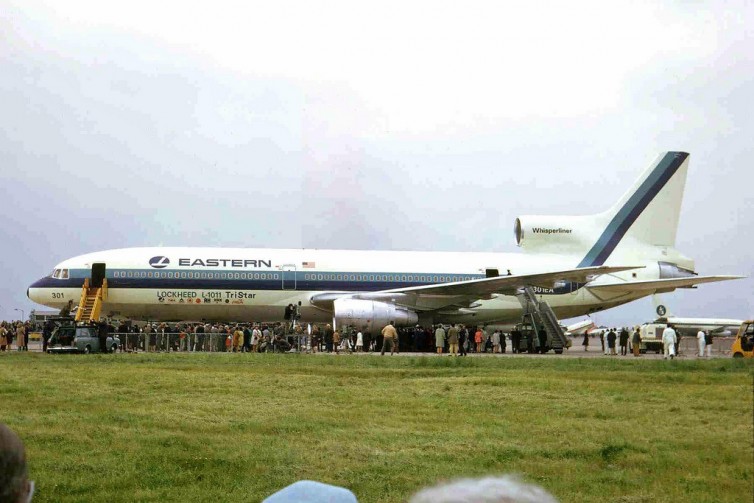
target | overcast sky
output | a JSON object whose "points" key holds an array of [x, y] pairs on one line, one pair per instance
{"points": [[368, 125]]}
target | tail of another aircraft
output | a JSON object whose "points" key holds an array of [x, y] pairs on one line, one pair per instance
{"points": [[646, 216]]}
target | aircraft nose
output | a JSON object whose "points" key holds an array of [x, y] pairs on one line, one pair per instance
{"points": [[33, 292]]}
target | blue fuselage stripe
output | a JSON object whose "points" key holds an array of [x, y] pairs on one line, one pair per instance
{"points": [[289, 283]]}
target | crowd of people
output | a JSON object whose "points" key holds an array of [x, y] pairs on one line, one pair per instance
{"points": [[15, 332], [630, 342], [291, 335], [288, 336]]}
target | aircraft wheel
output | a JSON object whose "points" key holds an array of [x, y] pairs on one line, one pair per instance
{"points": [[558, 351], [87, 349], [738, 355]]}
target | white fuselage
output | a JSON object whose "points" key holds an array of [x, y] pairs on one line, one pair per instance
{"points": [[238, 284]]}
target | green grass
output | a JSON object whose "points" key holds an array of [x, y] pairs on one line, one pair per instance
{"points": [[235, 427]]}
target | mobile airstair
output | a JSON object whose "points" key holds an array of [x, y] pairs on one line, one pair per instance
{"points": [[540, 314], [91, 301]]}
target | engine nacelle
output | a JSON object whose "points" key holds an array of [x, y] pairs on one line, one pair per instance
{"points": [[557, 233], [369, 315]]}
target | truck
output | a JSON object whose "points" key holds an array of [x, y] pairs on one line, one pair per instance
{"points": [[651, 337]]}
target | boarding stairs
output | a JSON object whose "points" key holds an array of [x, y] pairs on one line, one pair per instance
{"points": [[91, 301], [541, 314]]}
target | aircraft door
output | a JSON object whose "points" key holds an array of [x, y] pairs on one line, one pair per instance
{"points": [[288, 273], [98, 274]]}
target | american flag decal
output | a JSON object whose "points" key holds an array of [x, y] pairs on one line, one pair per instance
{"points": [[307, 265]]}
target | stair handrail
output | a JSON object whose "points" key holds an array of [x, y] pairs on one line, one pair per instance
{"points": [[82, 300]]}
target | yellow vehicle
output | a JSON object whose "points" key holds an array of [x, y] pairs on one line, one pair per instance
{"points": [[743, 346]]}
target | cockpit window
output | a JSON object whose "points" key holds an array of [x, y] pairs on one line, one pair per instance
{"points": [[60, 274]]}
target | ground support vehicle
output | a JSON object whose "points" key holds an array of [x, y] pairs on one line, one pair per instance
{"points": [[70, 337], [743, 346]]}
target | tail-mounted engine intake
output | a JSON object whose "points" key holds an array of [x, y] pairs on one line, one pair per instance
{"points": [[369, 315], [558, 233]]}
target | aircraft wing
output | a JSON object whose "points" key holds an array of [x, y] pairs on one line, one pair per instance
{"points": [[462, 294], [659, 285], [479, 288]]}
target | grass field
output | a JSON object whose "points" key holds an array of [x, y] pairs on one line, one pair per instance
{"points": [[234, 427]]}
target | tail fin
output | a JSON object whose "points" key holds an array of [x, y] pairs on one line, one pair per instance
{"points": [[648, 213], [661, 309]]}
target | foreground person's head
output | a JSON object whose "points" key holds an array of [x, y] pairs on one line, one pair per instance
{"points": [[505, 489], [15, 486]]}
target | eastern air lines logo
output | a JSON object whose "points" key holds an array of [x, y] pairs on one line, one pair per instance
{"points": [[159, 262]]}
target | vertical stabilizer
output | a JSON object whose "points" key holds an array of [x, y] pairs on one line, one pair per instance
{"points": [[648, 213], [661, 308]]}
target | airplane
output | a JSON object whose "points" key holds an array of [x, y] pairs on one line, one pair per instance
{"points": [[689, 327], [580, 328], [577, 264]]}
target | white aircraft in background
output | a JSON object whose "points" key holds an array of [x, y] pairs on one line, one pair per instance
{"points": [[580, 328], [577, 264], [688, 327]]}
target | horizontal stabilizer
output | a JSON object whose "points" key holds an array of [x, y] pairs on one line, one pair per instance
{"points": [[660, 285]]}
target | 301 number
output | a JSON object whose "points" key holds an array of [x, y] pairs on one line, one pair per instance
{"points": [[57, 295]]}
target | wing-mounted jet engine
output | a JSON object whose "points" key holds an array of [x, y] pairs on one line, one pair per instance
{"points": [[370, 315]]}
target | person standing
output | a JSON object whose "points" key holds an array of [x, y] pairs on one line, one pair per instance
{"points": [[256, 334], [478, 340], [20, 336], [27, 332], [515, 340], [389, 335], [328, 338], [3, 338], [453, 340], [623, 341], [359, 342], [636, 342], [496, 341], [503, 344], [701, 342], [439, 339], [288, 315], [463, 336], [246, 346], [669, 340], [708, 342], [611, 341], [586, 341], [336, 341]]}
